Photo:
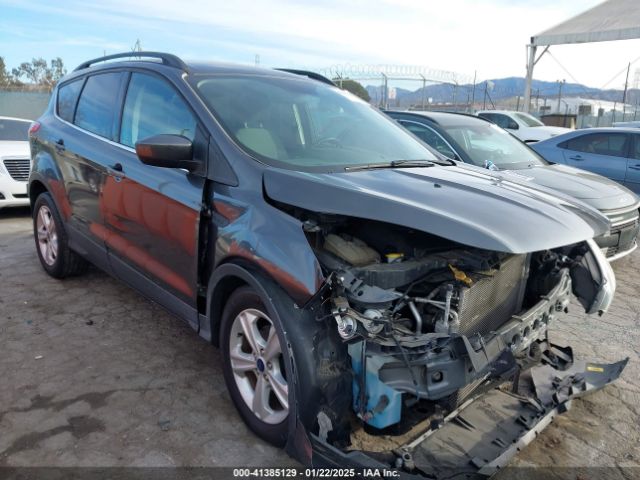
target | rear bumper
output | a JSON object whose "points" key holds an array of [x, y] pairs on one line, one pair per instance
{"points": [[482, 436]]}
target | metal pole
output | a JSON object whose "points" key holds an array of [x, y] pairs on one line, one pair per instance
{"points": [[560, 83], [386, 92], [424, 87], [518, 104], [484, 100], [473, 92], [531, 61], [624, 95]]}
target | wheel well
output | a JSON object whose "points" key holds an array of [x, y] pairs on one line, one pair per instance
{"points": [[221, 294], [35, 189]]}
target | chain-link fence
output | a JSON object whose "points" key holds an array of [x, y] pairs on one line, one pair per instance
{"points": [[23, 102]]}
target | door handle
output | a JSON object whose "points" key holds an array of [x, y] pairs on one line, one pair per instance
{"points": [[60, 145], [115, 171], [635, 167], [577, 158]]}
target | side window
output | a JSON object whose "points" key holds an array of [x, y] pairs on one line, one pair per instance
{"points": [[636, 150], [154, 107], [430, 137], [612, 144], [97, 105], [504, 122], [67, 98], [488, 116]]}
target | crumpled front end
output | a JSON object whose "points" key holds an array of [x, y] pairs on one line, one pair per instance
{"points": [[447, 346], [484, 433]]}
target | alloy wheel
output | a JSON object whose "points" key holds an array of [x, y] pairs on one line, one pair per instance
{"points": [[47, 235], [257, 364]]}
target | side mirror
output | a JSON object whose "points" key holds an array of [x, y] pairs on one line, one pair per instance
{"points": [[167, 151]]}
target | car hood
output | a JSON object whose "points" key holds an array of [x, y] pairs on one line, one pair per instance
{"points": [[466, 205], [593, 189], [14, 149]]}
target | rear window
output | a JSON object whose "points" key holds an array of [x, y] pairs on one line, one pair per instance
{"points": [[14, 130], [67, 98], [97, 105]]}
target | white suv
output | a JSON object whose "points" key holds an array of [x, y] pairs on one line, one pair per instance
{"points": [[524, 126], [15, 162]]}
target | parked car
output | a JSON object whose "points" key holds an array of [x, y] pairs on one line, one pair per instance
{"points": [[14, 162], [478, 142], [351, 277], [611, 152], [523, 125], [630, 124]]}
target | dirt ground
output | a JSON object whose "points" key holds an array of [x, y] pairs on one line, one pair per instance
{"points": [[92, 374]]}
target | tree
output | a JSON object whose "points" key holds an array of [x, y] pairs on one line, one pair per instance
{"points": [[5, 75], [354, 87], [38, 72]]}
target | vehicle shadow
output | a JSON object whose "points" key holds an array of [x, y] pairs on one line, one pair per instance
{"points": [[14, 212]]}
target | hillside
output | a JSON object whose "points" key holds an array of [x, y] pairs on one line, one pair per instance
{"points": [[502, 88]]}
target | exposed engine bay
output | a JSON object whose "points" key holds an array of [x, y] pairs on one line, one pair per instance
{"points": [[428, 321]]}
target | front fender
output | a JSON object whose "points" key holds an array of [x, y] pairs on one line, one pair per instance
{"points": [[268, 238], [318, 360]]}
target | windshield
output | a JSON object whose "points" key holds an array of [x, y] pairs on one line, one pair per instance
{"points": [[303, 125], [529, 120], [487, 144], [14, 130]]}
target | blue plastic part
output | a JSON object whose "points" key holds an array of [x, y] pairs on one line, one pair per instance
{"points": [[375, 390]]}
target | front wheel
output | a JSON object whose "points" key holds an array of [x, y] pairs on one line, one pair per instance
{"points": [[254, 364]]}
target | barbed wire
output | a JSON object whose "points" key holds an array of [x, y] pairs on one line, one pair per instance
{"points": [[408, 72]]}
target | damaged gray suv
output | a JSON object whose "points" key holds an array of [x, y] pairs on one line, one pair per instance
{"points": [[376, 305]]}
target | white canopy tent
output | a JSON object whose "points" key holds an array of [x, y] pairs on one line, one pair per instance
{"points": [[608, 21]]}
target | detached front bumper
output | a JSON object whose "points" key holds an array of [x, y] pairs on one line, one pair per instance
{"points": [[484, 434]]}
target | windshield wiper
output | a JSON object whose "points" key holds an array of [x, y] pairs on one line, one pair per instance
{"points": [[393, 164]]}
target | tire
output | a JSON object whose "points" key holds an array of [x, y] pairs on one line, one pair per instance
{"points": [[255, 366], [52, 242]]}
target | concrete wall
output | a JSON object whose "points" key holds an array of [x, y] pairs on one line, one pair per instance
{"points": [[23, 104]]}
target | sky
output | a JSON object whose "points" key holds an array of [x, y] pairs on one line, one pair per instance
{"points": [[465, 36]]}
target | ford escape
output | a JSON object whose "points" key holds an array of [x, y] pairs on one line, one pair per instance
{"points": [[372, 300]]}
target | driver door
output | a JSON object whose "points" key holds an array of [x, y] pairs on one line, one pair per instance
{"points": [[152, 214]]}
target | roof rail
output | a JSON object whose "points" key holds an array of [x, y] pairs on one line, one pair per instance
{"points": [[167, 59], [311, 75]]}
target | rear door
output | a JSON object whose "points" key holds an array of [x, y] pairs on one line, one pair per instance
{"points": [[85, 151], [151, 213], [632, 179], [601, 152]]}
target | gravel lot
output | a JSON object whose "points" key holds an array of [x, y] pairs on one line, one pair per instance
{"points": [[93, 374]]}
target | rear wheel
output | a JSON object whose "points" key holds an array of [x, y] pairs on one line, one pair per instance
{"points": [[254, 363], [52, 243]]}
